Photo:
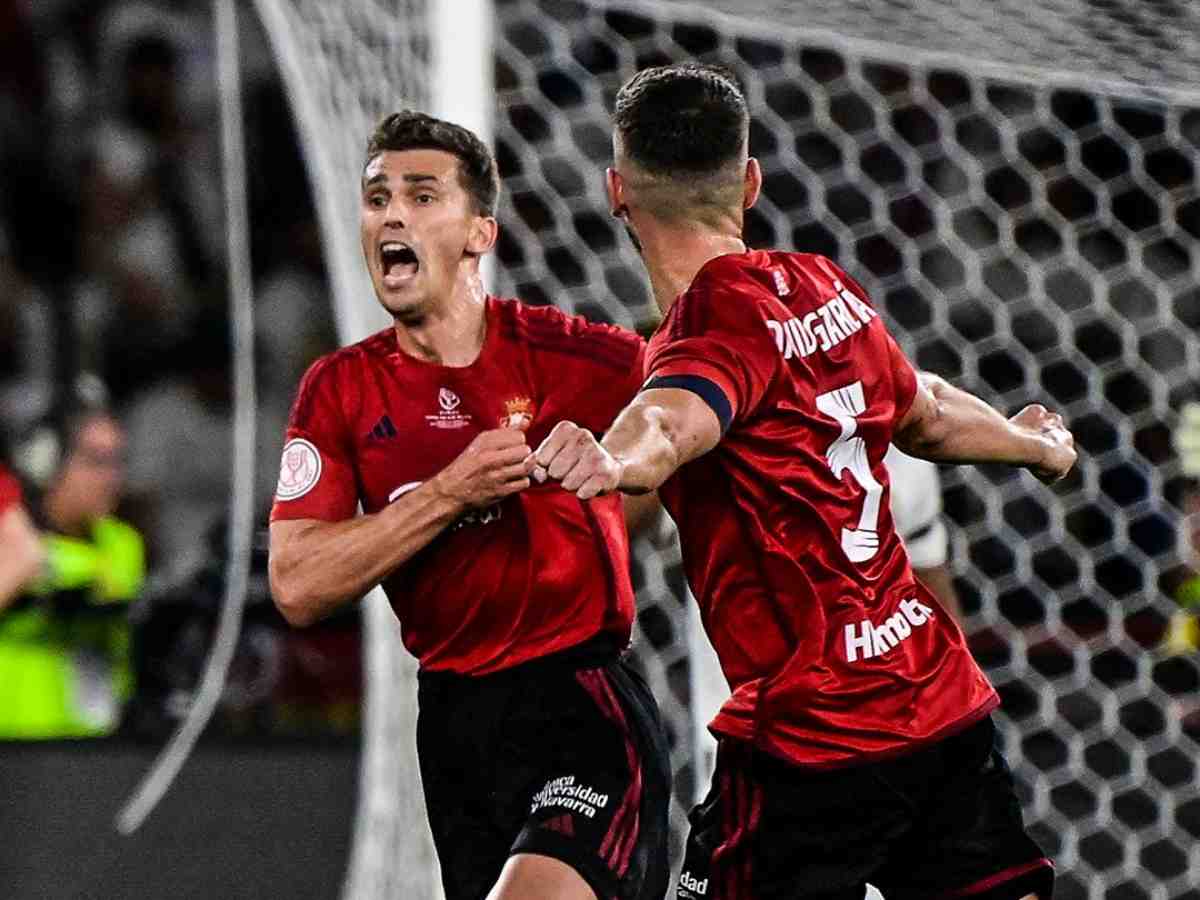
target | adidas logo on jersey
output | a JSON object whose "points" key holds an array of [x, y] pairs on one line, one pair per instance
{"points": [[866, 640], [689, 882], [383, 429], [823, 328]]}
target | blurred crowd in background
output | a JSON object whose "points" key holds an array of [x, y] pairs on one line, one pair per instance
{"points": [[112, 268]]}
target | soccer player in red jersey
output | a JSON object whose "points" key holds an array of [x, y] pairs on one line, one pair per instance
{"points": [[857, 744], [543, 760], [21, 559]]}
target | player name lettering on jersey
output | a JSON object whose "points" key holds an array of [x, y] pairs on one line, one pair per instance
{"points": [[823, 328], [866, 640]]}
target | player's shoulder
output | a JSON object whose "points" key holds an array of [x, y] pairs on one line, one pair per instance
{"points": [[344, 361], [335, 373], [727, 290], [548, 328]]}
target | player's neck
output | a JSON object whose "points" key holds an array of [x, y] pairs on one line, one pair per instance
{"points": [[451, 334], [674, 255]]}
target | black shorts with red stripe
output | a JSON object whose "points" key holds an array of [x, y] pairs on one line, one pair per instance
{"points": [[564, 756], [942, 822]]}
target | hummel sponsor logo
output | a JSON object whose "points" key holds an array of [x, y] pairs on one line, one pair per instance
{"points": [[867, 640], [383, 429], [689, 882]]}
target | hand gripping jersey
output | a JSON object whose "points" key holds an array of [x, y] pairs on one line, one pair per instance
{"points": [[537, 573], [10, 490], [834, 653]]}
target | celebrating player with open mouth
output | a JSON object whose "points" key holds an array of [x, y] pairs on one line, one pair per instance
{"points": [[857, 744], [543, 761]]}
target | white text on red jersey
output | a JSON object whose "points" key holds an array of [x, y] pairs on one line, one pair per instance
{"points": [[824, 327]]}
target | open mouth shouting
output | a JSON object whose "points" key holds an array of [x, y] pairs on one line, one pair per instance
{"points": [[398, 262]]}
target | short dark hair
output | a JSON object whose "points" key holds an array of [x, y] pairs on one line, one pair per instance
{"points": [[682, 119], [412, 130]]}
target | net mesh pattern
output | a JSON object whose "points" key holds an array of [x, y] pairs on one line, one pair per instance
{"points": [[1030, 234]]}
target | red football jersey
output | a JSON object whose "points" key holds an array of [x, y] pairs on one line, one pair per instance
{"points": [[10, 491], [537, 573], [833, 651]]}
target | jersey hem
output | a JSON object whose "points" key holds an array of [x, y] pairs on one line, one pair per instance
{"points": [[778, 749]]}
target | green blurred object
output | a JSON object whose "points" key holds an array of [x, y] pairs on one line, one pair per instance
{"points": [[1187, 438], [112, 566], [65, 670]]}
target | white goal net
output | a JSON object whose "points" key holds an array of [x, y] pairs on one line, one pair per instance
{"points": [[1014, 183]]}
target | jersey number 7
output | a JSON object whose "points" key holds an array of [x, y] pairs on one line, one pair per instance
{"points": [[849, 452]]}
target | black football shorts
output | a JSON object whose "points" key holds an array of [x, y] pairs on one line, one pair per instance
{"points": [[564, 756], [942, 822]]}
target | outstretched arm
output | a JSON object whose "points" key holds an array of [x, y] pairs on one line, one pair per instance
{"points": [[946, 424], [658, 432]]}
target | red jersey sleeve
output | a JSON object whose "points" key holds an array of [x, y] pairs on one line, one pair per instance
{"points": [[610, 388], [590, 371], [316, 472], [10, 490], [716, 332]]}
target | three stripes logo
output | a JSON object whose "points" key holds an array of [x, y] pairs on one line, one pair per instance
{"points": [[383, 429]]}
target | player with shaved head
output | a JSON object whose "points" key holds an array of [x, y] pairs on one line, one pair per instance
{"points": [[857, 745]]}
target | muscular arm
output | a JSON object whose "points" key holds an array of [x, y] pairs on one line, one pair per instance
{"points": [[22, 555], [658, 432], [317, 567], [946, 424]]}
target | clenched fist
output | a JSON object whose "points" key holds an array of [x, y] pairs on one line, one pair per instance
{"points": [[1057, 443], [572, 455], [491, 468]]}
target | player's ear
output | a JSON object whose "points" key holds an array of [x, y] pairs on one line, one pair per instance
{"points": [[481, 237], [753, 185], [616, 192]]}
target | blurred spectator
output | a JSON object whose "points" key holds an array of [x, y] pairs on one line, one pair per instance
{"points": [[64, 664], [917, 513], [28, 347], [180, 440], [1183, 630], [149, 219], [294, 325], [281, 681]]}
